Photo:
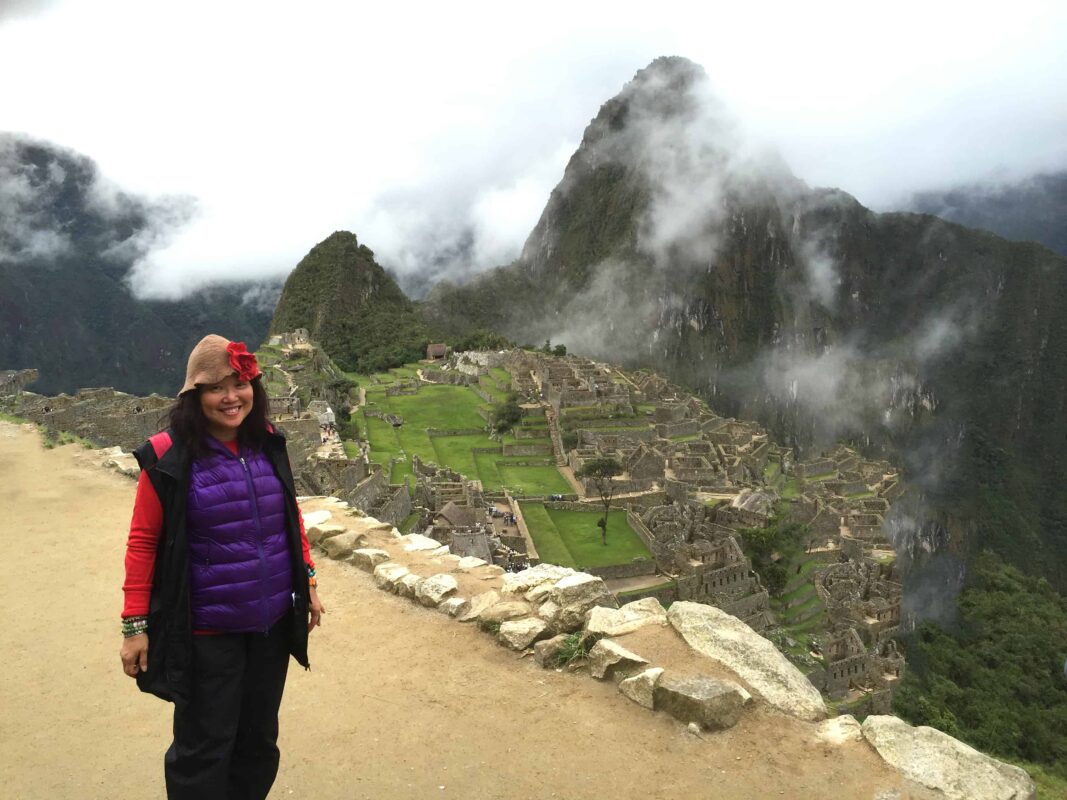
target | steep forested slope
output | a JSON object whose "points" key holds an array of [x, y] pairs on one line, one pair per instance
{"points": [[351, 307]]}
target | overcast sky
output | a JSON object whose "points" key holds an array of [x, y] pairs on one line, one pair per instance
{"points": [[411, 124]]}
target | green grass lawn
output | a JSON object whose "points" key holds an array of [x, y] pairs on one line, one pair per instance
{"points": [[822, 476], [573, 538], [524, 481], [455, 452], [502, 378], [454, 408], [546, 538], [580, 533]]}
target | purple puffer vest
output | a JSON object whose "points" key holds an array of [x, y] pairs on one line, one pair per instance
{"points": [[240, 573]]}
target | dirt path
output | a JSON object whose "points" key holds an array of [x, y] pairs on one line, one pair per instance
{"points": [[401, 702]]}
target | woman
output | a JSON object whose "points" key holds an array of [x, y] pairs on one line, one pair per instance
{"points": [[220, 587]]}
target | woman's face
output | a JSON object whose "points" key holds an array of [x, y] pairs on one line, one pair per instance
{"points": [[225, 406]]}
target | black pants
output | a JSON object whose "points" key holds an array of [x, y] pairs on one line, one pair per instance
{"points": [[225, 737]]}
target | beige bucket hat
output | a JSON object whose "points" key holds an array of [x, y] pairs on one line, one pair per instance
{"points": [[215, 357]]}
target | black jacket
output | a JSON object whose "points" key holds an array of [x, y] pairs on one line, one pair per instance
{"points": [[170, 632]]}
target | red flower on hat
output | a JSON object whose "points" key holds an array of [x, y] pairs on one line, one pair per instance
{"points": [[243, 362]]}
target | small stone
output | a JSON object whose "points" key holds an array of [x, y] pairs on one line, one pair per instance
{"points": [[710, 703], [502, 612], [539, 594], [367, 558], [641, 688], [416, 543], [629, 618], [523, 581], [386, 575], [408, 585], [547, 651], [434, 589], [519, 634], [454, 606], [608, 658], [470, 562], [341, 546], [478, 604], [317, 534]]}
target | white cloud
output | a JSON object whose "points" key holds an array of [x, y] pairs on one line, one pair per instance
{"points": [[417, 124]]}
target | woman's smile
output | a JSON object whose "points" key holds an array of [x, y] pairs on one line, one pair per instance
{"points": [[225, 406]]}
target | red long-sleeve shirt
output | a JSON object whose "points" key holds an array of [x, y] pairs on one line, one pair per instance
{"points": [[145, 530]]}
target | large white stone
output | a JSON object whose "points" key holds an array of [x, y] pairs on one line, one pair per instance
{"points": [[527, 579], [629, 618], [641, 688], [416, 542], [436, 588], [478, 604], [839, 730], [606, 658], [938, 761], [315, 518], [729, 641], [386, 575], [518, 634]]}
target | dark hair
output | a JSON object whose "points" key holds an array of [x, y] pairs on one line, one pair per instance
{"points": [[186, 420]]}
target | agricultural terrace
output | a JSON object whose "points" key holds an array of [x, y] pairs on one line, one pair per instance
{"points": [[455, 411], [572, 538]]}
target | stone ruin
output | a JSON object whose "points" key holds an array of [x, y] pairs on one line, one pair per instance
{"points": [[721, 475]]}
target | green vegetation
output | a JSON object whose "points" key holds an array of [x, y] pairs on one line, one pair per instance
{"points": [[996, 681], [61, 438], [12, 418], [408, 522], [506, 416], [772, 549], [571, 538], [576, 647]]}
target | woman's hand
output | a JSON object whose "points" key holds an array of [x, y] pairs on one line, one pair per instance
{"points": [[134, 654], [317, 609]]}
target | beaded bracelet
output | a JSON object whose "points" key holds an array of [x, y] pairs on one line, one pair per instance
{"points": [[311, 570], [134, 626]]}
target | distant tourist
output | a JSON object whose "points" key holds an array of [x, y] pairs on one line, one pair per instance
{"points": [[223, 610]]}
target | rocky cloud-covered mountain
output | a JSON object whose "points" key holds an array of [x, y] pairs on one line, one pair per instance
{"points": [[67, 242], [671, 242]]}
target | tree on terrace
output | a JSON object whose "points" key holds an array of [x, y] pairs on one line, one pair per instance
{"points": [[601, 471]]}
